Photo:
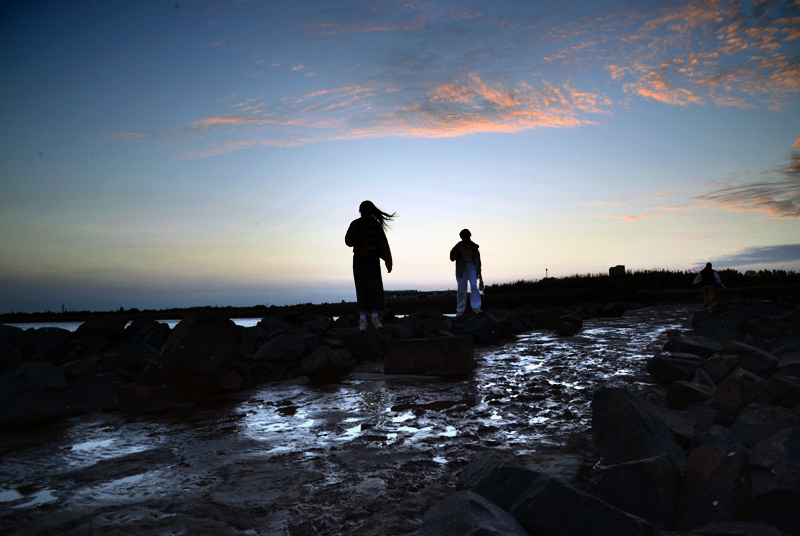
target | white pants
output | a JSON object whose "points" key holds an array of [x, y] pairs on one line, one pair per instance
{"points": [[470, 275]]}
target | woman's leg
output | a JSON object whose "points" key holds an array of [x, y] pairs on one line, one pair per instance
{"points": [[461, 293]]}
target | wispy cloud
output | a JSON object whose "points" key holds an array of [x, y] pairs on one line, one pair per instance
{"points": [[786, 253], [778, 195]]}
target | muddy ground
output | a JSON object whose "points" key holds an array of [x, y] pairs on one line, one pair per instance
{"points": [[366, 457]]}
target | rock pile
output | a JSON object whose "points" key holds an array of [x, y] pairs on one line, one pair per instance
{"points": [[112, 364], [718, 455]]}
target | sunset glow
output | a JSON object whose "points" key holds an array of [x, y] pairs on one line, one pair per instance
{"points": [[160, 155]]}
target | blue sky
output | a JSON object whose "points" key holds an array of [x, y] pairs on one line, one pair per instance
{"points": [[160, 154]]}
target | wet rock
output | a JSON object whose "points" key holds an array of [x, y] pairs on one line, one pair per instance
{"points": [[543, 504], [441, 356], [323, 366], [779, 391], [735, 392], [681, 395], [568, 325], [789, 364], [196, 357], [750, 358], [468, 514], [624, 429], [484, 329], [109, 327], [668, 368], [759, 421], [75, 369], [36, 376], [38, 344], [615, 309], [680, 424], [776, 480], [717, 435], [145, 398], [726, 327], [122, 466], [645, 488], [286, 348], [369, 346], [719, 366], [701, 316], [736, 528], [717, 487], [696, 345]]}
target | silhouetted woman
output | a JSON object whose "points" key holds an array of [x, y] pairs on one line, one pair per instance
{"points": [[468, 269], [367, 237]]}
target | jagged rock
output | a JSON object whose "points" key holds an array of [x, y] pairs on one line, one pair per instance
{"points": [[727, 327], [465, 513], [109, 327], [371, 345], [681, 395], [544, 505], [735, 528], [36, 376], [323, 365], [758, 421], [701, 316], [776, 480], [751, 358], [129, 355], [484, 329], [75, 369], [615, 309], [286, 348], [717, 435], [645, 488], [719, 366], [735, 392], [779, 391], [789, 365], [704, 416], [196, 357], [696, 345], [38, 344], [668, 368], [717, 487], [624, 429], [568, 325], [145, 398], [440, 356], [680, 424]]}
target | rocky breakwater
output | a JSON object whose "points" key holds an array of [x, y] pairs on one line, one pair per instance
{"points": [[714, 450], [113, 364]]}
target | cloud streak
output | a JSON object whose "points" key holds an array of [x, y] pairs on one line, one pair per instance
{"points": [[786, 253]]}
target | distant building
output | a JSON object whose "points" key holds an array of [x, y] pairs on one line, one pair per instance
{"points": [[617, 270]]}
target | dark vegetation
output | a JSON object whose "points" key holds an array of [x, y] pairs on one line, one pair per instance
{"points": [[656, 285]]}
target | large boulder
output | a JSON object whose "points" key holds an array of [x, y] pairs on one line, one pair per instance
{"points": [[484, 329], [323, 365], [681, 395], [717, 487], [440, 356], [779, 391], [625, 429], [110, 327], [36, 376], [196, 357], [544, 505], [644, 488], [668, 368], [38, 344], [752, 359], [696, 345], [465, 513], [759, 421], [776, 480], [730, 326], [737, 391]]}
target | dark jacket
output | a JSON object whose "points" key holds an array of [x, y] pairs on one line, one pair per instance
{"points": [[456, 255], [357, 237]]}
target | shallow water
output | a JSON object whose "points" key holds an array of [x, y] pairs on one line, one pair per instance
{"points": [[531, 392]]}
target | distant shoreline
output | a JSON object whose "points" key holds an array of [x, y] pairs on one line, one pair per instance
{"points": [[505, 300]]}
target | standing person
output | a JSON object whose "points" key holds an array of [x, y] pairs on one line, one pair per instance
{"points": [[367, 237], [468, 269], [708, 278]]}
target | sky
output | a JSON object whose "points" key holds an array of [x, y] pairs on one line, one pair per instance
{"points": [[170, 154]]}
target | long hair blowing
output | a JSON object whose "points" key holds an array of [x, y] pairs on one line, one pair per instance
{"points": [[368, 209]]}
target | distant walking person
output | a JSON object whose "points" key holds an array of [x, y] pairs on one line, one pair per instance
{"points": [[468, 269], [367, 237], [708, 279]]}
